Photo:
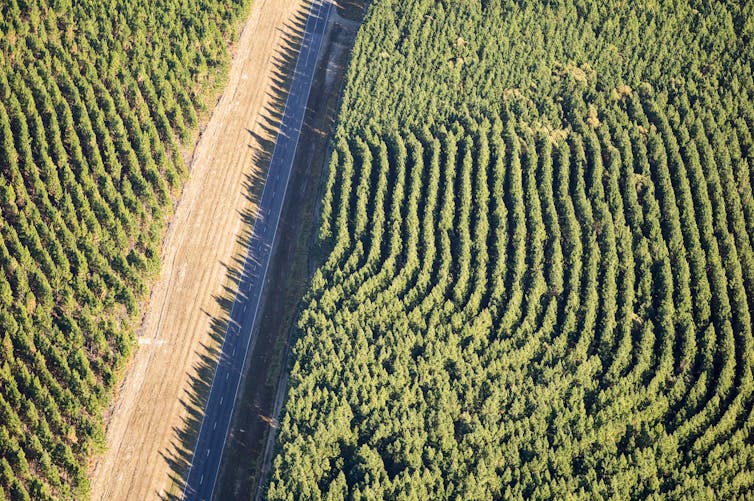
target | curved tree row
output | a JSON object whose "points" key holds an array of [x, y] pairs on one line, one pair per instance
{"points": [[539, 222]]}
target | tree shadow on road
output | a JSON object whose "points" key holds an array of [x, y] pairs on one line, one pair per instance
{"points": [[179, 455], [246, 465]]}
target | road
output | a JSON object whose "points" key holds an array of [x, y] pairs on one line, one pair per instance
{"points": [[205, 464]]}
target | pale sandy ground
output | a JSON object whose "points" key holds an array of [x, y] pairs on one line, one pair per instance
{"points": [[202, 239]]}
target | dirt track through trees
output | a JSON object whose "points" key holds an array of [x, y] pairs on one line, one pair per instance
{"points": [[149, 432]]}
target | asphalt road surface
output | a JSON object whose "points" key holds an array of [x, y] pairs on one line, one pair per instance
{"points": [[205, 464]]}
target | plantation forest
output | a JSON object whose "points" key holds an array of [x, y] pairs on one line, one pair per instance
{"points": [[537, 232], [99, 101]]}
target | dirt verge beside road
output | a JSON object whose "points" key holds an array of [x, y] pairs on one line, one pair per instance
{"points": [[152, 424]]}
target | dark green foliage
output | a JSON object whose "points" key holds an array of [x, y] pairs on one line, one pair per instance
{"points": [[97, 100], [540, 277]]}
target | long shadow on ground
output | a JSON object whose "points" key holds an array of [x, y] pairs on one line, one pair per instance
{"points": [[178, 456], [248, 451]]}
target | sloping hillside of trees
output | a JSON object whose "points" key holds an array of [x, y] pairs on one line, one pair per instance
{"points": [[539, 278], [97, 101]]}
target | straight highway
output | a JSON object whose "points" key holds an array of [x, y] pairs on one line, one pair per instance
{"points": [[205, 463]]}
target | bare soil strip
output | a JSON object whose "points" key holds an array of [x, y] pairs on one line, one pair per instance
{"points": [[151, 423]]}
